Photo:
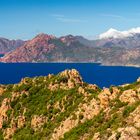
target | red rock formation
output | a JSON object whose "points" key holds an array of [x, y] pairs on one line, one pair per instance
{"points": [[31, 50]]}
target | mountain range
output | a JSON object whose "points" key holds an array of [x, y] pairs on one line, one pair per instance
{"points": [[64, 107], [110, 48]]}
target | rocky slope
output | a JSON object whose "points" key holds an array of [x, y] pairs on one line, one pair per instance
{"points": [[32, 50], [63, 107], [9, 45]]}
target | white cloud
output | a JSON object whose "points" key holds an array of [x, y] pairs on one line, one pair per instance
{"points": [[62, 18], [112, 16], [70, 20]]}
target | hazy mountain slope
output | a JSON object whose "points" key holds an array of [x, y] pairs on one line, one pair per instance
{"points": [[86, 42], [64, 107], [9, 45]]}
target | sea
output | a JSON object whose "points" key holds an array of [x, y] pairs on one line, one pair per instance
{"points": [[103, 76]]}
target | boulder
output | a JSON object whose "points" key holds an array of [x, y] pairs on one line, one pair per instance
{"points": [[129, 96], [104, 97]]}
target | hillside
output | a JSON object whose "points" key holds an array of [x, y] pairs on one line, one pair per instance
{"points": [[63, 107]]}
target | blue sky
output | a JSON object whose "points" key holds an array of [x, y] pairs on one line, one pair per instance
{"points": [[26, 18]]}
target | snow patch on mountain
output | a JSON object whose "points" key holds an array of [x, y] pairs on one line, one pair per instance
{"points": [[113, 33]]}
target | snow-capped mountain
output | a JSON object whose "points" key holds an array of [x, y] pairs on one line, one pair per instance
{"points": [[115, 34]]}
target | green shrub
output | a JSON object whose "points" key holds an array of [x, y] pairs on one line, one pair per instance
{"points": [[4, 125], [81, 116], [118, 136], [13, 103], [9, 113], [130, 108], [1, 135]]}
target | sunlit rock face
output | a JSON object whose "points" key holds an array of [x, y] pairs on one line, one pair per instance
{"points": [[32, 50]]}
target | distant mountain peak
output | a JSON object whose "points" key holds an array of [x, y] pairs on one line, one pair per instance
{"points": [[44, 36], [40, 39], [112, 30], [113, 33], [68, 39]]}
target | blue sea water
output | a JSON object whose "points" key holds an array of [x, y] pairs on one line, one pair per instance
{"points": [[103, 76]]}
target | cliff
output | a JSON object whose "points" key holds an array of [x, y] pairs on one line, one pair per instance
{"points": [[64, 107]]}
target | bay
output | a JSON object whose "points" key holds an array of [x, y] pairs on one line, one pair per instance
{"points": [[103, 76]]}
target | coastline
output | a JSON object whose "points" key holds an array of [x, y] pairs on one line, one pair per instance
{"points": [[61, 62]]}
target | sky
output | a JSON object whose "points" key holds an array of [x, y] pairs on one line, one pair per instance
{"points": [[23, 19]]}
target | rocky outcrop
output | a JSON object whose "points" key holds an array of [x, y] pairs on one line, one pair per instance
{"points": [[37, 122], [66, 80], [104, 97], [65, 126], [134, 118], [1, 90], [8, 133], [72, 75], [129, 96], [88, 111], [21, 121], [3, 110], [129, 133]]}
